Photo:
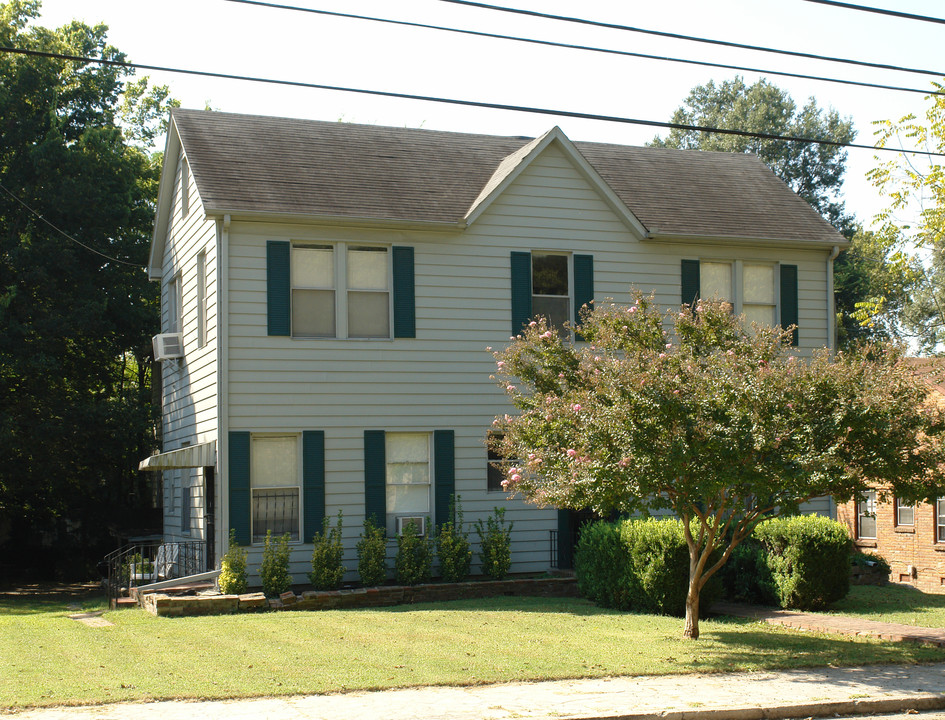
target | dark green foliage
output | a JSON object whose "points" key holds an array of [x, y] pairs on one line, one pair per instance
{"points": [[746, 576], [871, 560], [808, 557], [274, 571], [640, 565], [413, 563], [452, 545], [327, 555], [372, 555], [232, 579], [495, 544], [75, 327]]}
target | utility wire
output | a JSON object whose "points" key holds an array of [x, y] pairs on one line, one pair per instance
{"points": [[67, 235], [469, 103], [677, 36], [570, 46], [880, 11]]}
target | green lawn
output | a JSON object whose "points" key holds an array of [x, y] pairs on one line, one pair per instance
{"points": [[50, 659], [894, 603]]}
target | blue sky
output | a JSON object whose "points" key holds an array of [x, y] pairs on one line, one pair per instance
{"points": [[222, 36]]}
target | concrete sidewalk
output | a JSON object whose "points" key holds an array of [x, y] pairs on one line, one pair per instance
{"points": [[739, 696]]}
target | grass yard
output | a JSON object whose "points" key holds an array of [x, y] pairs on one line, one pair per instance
{"points": [[895, 604], [51, 660]]}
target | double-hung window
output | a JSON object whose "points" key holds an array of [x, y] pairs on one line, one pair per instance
{"points": [[274, 480], [202, 298], [866, 516], [496, 465], [554, 285], [408, 473], [174, 302], [905, 514], [765, 293], [340, 290], [940, 520]]}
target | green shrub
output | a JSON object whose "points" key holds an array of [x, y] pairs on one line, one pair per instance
{"points": [[808, 557], [452, 545], [871, 560], [413, 563], [640, 565], [232, 578], [372, 555], [495, 544], [746, 576], [327, 554], [274, 571]]}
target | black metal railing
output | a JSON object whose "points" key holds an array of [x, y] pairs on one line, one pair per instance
{"points": [[138, 564]]}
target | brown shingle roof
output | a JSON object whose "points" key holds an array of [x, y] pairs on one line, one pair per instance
{"points": [[257, 164]]}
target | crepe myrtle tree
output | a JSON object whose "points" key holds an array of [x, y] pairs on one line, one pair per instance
{"points": [[691, 411]]}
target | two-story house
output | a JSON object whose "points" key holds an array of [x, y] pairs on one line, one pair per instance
{"points": [[329, 292]]}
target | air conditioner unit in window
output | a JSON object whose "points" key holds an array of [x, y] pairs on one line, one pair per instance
{"points": [[168, 346], [418, 522]]}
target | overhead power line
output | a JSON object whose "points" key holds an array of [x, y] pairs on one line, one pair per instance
{"points": [[67, 235], [588, 48], [677, 36], [880, 11], [466, 103]]}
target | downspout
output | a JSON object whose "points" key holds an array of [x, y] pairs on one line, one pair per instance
{"points": [[831, 302], [223, 365]]}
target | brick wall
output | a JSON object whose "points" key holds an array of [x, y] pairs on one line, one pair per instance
{"points": [[912, 552]]}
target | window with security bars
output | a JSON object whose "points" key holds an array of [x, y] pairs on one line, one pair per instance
{"points": [[275, 486]]}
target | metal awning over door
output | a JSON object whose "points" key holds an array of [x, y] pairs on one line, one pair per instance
{"points": [[192, 456]]}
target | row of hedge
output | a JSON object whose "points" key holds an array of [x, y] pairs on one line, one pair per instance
{"points": [[643, 565]]}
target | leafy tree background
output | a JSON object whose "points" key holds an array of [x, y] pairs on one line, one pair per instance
{"points": [[75, 322], [815, 172]]}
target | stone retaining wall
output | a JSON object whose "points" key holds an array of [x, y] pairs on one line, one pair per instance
{"points": [[170, 606]]}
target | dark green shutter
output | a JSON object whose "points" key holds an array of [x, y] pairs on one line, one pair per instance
{"points": [[313, 483], [583, 285], [690, 282], [521, 290], [405, 314], [789, 315], [277, 287], [565, 547], [375, 478], [444, 474], [238, 456]]}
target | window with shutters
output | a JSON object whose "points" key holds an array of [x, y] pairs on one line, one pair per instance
{"points": [[750, 288], [407, 473], [866, 516], [275, 487], [340, 290], [551, 287]]}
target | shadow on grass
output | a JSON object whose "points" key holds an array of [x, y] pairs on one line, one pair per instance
{"points": [[869, 601], [36, 598]]}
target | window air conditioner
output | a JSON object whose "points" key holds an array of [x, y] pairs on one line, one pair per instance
{"points": [[418, 522], [168, 346]]}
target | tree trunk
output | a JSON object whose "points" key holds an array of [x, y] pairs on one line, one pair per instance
{"points": [[692, 610]]}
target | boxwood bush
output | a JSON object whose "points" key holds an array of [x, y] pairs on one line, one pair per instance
{"points": [[808, 557], [638, 564]]}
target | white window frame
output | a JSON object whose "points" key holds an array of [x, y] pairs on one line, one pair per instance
{"points": [[392, 514], [904, 507], [258, 538], [570, 296], [175, 301], [940, 520], [340, 273], [737, 268], [202, 298], [866, 507]]}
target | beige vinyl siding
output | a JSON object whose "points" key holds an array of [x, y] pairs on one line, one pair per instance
{"points": [[440, 379], [189, 383]]}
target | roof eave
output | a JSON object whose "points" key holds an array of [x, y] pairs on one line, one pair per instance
{"points": [[164, 200], [259, 216], [825, 243]]}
